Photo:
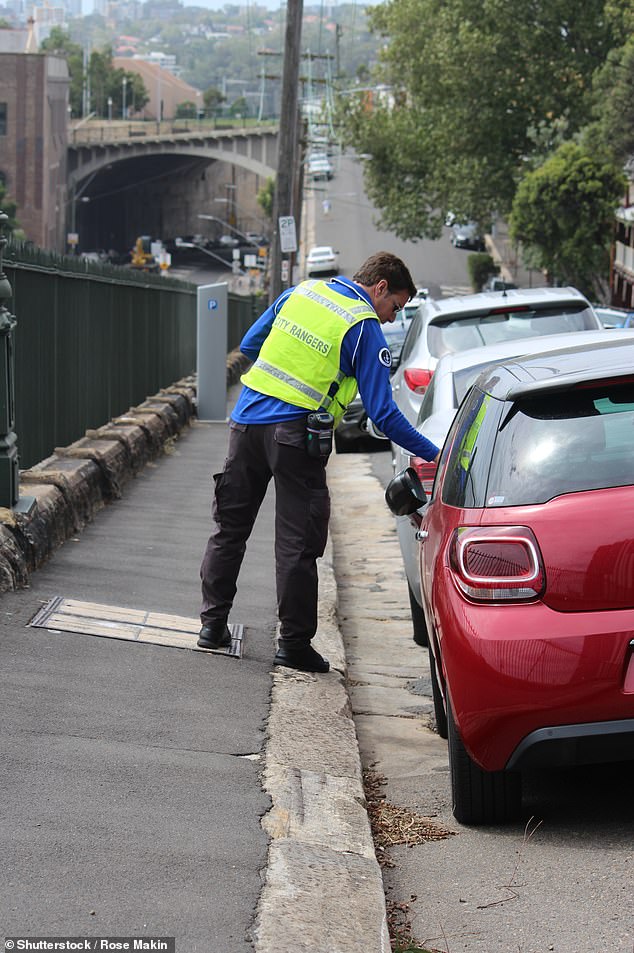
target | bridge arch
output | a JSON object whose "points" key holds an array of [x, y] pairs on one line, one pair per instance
{"points": [[159, 184], [253, 150]]}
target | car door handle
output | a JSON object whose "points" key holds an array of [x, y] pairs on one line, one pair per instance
{"points": [[421, 535]]}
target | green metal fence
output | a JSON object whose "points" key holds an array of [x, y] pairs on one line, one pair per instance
{"points": [[92, 341]]}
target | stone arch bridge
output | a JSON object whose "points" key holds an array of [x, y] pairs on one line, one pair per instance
{"points": [[131, 178]]}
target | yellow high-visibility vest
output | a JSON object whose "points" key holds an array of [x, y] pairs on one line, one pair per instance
{"points": [[299, 360]]}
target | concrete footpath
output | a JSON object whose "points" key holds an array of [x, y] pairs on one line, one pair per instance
{"points": [[160, 791]]}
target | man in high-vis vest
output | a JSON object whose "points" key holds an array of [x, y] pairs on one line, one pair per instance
{"points": [[312, 349]]}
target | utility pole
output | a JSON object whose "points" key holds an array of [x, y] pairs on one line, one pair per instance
{"points": [[287, 152]]}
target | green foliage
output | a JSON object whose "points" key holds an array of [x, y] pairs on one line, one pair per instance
{"points": [[106, 83], [213, 99], [186, 110], [60, 43], [564, 212], [239, 107], [614, 101], [481, 267], [265, 197], [474, 86]]}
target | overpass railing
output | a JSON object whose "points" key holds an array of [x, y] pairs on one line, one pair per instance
{"points": [[92, 341], [96, 131]]}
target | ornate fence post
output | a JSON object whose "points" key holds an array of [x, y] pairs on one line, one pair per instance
{"points": [[9, 470]]}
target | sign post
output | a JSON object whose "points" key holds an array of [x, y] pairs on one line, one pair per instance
{"points": [[211, 351], [288, 235]]}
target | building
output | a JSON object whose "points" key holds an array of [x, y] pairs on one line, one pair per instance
{"points": [[622, 278], [34, 141], [163, 88]]}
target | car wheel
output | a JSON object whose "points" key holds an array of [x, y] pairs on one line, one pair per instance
{"points": [[439, 704], [418, 619], [480, 797]]}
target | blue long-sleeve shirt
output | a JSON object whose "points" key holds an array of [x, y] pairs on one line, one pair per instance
{"points": [[364, 355]]}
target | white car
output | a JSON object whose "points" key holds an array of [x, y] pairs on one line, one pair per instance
{"points": [[452, 379], [453, 324], [322, 260], [319, 167]]}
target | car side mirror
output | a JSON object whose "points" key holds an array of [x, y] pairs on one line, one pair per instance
{"points": [[404, 494]]}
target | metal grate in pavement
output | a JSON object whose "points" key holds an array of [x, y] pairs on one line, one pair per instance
{"points": [[132, 625]]}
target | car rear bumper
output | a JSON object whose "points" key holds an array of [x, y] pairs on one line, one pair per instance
{"points": [[566, 745], [519, 676]]}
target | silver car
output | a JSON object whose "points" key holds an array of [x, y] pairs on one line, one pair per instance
{"points": [[453, 376], [454, 324]]}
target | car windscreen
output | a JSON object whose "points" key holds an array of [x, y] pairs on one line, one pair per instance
{"points": [[513, 323], [581, 439], [394, 334]]}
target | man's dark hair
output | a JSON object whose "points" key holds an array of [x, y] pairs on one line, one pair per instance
{"points": [[385, 265]]}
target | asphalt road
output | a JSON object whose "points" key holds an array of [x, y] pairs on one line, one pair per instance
{"points": [[560, 880], [349, 226]]}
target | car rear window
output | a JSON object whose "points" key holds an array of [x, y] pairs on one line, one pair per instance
{"points": [[460, 333], [582, 439]]}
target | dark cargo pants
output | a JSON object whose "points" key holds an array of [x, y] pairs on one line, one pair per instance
{"points": [[258, 452]]}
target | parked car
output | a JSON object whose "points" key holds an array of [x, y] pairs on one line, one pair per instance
{"points": [[100, 255], [256, 238], [495, 283], [467, 235], [526, 552], [454, 375], [614, 317], [322, 260], [319, 167], [355, 431], [465, 321]]}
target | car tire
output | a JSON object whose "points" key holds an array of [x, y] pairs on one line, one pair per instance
{"points": [[439, 704], [418, 619], [478, 796]]}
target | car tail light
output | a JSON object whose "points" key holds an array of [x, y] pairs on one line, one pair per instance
{"points": [[417, 379], [497, 563], [426, 472]]}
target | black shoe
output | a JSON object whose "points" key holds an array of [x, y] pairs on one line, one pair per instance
{"points": [[214, 635], [304, 658]]}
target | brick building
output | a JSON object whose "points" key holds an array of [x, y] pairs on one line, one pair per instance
{"points": [[33, 142]]}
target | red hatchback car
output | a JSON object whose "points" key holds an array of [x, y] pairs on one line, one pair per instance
{"points": [[527, 573]]}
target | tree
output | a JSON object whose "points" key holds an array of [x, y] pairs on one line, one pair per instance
{"points": [[186, 110], [239, 107], [470, 85], [106, 83], [60, 43], [213, 99], [563, 212], [265, 197], [614, 102]]}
